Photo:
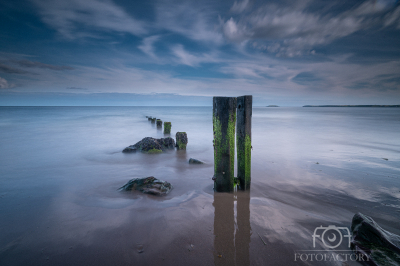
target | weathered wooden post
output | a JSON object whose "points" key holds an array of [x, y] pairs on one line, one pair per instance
{"points": [[153, 120], [167, 127], [243, 140], [224, 121], [181, 140], [159, 123]]}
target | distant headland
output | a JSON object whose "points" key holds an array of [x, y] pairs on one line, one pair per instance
{"points": [[351, 105], [272, 105]]}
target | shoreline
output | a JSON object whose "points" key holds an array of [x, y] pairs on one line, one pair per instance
{"points": [[374, 105]]}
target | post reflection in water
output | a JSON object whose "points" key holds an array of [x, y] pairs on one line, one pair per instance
{"points": [[232, 234]]}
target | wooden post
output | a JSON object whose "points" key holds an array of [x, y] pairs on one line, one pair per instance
{"points": [[224, 121], [153, 120], [243, 140], [181, 140], [167, 127], [159, 123]]}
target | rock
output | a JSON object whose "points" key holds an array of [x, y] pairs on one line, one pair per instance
{"points": [[181, 140], [381, 246], [159, 123], [151, 145], [130, 149], [195, 161], [139, 248], [149, 185], [386, 159]]}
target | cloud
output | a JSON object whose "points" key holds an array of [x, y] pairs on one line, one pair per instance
{"points": [[186, 58], [5, 85], [235, 32], [295, 29], [11, 70], [147, 45], [239, 7], [199, 23], [27, 63], [393, 18], [75, 18]]}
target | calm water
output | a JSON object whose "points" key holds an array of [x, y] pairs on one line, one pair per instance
{"points": [[60, 168]]}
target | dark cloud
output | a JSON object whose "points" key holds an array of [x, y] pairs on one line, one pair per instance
{"points": [[382, 83], [27, 63], [306, 78], [11, 70]]}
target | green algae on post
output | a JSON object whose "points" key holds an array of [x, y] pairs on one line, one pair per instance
{"points": [[224, 124], [181, 140], [243, 140], [167, 127]]}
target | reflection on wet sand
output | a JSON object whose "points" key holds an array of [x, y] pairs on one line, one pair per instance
{"points": [[232, 233]]}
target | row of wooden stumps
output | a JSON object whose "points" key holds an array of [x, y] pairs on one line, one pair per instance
{"points": [[181, 137], [158, 122], [232, 115]]}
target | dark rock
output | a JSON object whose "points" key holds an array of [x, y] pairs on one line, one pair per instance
{"points": [[139, 248], [181, 140], [168, 143], [130, 149], [381, 246], [195, 161], [151, 145], [149, 185]]}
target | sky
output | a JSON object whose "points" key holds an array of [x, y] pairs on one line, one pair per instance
{"points": [[167, 52]]}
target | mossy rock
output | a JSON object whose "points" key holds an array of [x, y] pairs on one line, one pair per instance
{"points": [[149, 185], [381, 246], [195, 161], [151, 145]]}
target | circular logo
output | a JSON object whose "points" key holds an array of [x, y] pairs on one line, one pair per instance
{"points": [[332, 237]]}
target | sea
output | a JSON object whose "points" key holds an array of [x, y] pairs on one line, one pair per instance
{"points": [[61, 167]]}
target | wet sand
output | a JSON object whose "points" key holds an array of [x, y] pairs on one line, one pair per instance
{"points": [[190, 226]]}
